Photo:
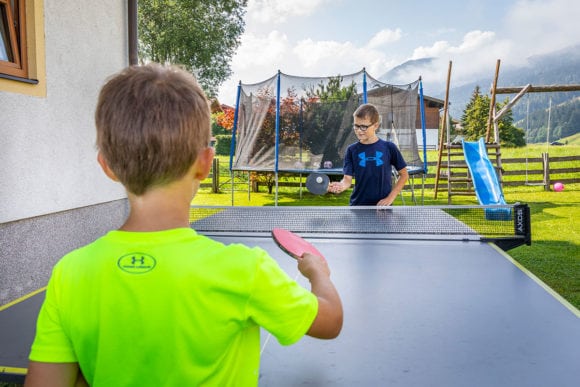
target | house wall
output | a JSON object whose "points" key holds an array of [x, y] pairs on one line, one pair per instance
{"points": [[47, 144], [431, 117], [431, 124], [53, 195]]}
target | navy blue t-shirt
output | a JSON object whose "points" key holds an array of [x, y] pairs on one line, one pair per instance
{"points": [[371, 166]]}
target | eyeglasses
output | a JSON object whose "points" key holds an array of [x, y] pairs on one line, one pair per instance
{"points": [[362, 128]]}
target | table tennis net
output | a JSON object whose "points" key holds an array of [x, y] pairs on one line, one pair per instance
{"points": [[507, 225]]}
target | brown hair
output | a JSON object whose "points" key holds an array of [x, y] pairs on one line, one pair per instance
{"points": [[367, 111], [152, 121]]}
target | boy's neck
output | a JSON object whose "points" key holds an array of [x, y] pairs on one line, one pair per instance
{"points": [[160, 209], [369, 141]]}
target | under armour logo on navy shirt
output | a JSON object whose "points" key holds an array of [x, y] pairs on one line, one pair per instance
{"points": [[376, 158]]}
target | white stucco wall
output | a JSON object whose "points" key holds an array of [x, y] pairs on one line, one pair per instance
{"points": [[47, 153], [432, 139]]}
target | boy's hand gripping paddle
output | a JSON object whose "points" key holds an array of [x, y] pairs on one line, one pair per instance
{"points": [[293, 244]]}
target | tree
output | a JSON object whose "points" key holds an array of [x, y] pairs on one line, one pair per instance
{"points": [[200, 35], [223, 122], [474, 119], [324, 127], [509, 134], [475, 116]]}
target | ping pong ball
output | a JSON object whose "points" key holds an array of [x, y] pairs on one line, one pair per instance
{"points": [[558, 187], [319, 179]]}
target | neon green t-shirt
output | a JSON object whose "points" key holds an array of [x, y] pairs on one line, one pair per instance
{"points": [[168, 308]]}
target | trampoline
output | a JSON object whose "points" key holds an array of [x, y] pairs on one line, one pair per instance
{"points": [[300, 125]]}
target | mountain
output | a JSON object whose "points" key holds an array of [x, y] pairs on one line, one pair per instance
{"points": [[559, 67], [410, 67]]}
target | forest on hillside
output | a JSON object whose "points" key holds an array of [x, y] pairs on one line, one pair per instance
{"points": [[562, 120]]}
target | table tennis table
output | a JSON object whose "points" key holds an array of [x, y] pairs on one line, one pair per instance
{"points": [[430, 298]]}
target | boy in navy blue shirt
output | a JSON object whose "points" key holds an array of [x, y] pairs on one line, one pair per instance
{"points": [[370, 162]]}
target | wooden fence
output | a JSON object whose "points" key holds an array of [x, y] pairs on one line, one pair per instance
{"points": [[541, 171]]}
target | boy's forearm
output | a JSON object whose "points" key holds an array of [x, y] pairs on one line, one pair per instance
{"points": [[399, 185], [328, 322], [322, 286], [345, 184]]}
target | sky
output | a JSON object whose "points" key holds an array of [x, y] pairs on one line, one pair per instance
{"points": [[329, 37]]}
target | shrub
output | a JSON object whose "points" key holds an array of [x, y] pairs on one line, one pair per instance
{"points": [[223, 144]]}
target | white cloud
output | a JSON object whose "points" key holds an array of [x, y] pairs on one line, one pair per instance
{"points": [[473, 41], [313, 53], [278, 11], [437, 49], [332, 57], [473, 57], [257, 58], [384, 37], [527, 28], [260, 56], [540, 26], [257, 52]]}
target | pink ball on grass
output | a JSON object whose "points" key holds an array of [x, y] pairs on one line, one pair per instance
{"points": [[558, 187]]}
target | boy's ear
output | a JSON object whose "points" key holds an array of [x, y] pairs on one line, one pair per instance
{"points": [[203, 163], [103, 163]]}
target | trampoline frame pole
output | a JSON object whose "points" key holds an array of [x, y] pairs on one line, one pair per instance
{"points": [[277, 141], [364, 85], [233, 143], [423, 125]]}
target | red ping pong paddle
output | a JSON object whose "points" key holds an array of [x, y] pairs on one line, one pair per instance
{"points": [[293, 244]]}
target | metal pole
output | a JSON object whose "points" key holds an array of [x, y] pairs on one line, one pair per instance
{"points": [[132, 12], [423, 125], [233, 143], [277, 142], [364, 85]]}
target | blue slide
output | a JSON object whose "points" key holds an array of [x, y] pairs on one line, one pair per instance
{"points": [[485, 181]]}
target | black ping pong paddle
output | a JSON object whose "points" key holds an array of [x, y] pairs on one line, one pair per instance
{"points": [[293, 244], [317, 183]]}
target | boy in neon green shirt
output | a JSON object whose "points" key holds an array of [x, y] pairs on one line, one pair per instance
{"points": [[155, 303]]}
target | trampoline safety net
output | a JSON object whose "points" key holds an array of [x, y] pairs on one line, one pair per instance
{"points": [[298, 124]]}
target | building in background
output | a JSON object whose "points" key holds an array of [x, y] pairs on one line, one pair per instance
{"points": [[433, 107]]}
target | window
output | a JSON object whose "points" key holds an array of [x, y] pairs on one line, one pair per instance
{"points": [[13, 54]]}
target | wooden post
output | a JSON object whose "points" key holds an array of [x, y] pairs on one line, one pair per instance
{"points": [[546, 165], [490, 120], [215, 178], [443, 124]]}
